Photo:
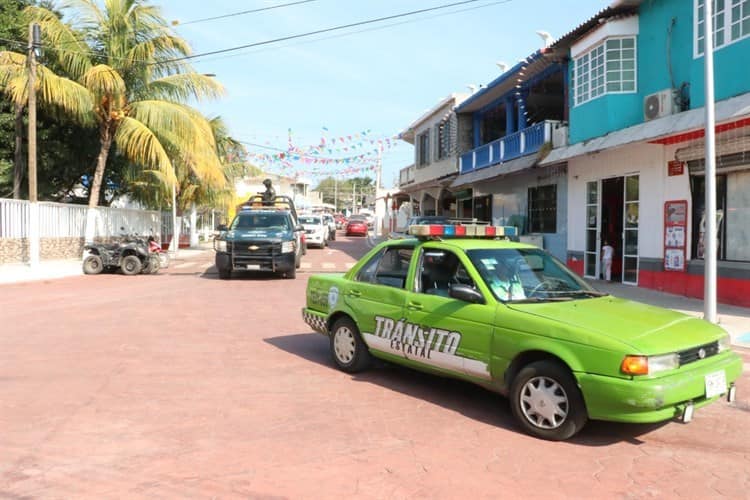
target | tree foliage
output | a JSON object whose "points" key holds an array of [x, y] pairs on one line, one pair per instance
{"points": [[342, 192]]}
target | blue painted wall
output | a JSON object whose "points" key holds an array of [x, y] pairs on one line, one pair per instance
{"points": [[656, 18]]}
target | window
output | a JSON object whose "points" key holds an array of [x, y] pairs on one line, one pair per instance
{"points": [[389, 267], [731, 23], [608, 68], [443, 142], [543, 209], [423, 149], [439, 270]]}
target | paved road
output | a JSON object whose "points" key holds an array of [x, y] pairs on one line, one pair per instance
{"points": [[181, 385]]}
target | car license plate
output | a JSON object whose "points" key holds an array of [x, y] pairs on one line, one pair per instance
{"points": [[253, 267], [716, 383]]}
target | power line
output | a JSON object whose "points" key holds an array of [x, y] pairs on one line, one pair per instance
{"points": [[366, 30], [241, 13], [317, 32]]}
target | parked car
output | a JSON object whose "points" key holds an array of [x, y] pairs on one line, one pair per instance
{"points": [[511, 318], [316, 231], [340, 221], [419, 219], [329, 220], [356, 226]]}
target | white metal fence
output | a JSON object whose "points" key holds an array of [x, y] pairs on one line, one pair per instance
{"points": [[59, 220]]}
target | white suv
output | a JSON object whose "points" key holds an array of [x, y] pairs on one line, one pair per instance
{"points": [[316, 231], [328, 219]]}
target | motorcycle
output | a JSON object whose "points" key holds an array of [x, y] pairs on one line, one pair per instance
{"points": [[132, 255]]}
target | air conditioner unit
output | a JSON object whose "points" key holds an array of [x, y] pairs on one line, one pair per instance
{"points": [[658, 105]]}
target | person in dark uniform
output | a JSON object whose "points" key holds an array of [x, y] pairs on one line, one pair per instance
{"points": [[269, 194]]}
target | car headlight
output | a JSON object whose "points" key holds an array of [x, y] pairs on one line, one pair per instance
{"points": [[287, 246], [220, 245], [648, 365], [725, 343]]}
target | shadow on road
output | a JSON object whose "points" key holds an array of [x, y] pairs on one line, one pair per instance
{"points": [[461, 397], [210, 273]]}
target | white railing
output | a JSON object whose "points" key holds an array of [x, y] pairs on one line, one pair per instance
{"points": [[59, 220]]}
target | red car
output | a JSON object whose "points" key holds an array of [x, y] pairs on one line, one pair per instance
{"points": [[356, 226]]}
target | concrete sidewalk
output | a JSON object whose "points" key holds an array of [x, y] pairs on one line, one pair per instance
{"points": [[54, 269]]}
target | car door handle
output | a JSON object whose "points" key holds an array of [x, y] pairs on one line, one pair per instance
{"points": [[414, 306], [355, 293]]}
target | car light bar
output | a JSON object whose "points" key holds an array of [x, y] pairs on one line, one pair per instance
{"points": [[463, 230]]}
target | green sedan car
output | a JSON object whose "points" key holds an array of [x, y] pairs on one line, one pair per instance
{"points": [[512, 318]]}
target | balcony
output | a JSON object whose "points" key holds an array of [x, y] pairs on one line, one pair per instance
{"points": [[510, 147], [406, 175]]}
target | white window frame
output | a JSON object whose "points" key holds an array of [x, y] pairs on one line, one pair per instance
{"points": [[593, 83], [423, 150], [727, 23]]}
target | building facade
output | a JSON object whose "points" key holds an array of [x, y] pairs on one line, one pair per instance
{"points": [[636, 145]]}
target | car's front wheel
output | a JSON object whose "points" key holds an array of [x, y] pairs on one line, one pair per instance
{"points": [[546, 401], [347, 347]]}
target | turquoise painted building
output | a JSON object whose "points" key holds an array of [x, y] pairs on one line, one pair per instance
{"points": [[609, 90]]}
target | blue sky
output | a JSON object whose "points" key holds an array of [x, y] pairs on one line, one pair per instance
{"points": [[377, 78]]}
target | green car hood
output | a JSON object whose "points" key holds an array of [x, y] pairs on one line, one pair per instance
{"points": [[647, 329]]}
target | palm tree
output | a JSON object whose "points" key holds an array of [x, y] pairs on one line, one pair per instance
{"points": [[124, 71]]}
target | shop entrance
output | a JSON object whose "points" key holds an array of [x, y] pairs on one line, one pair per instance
{"points": [[612, 222], [612, 209]]}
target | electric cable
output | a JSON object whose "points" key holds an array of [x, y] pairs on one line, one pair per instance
{"points": [[241, 13]]}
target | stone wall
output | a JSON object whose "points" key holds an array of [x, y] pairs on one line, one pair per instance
{"points": [[17, 250]]}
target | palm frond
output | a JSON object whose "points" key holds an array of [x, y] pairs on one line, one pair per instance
{"points": [[140, 145], [186, 86], [70, 49], [70, 96], [102, 80]]}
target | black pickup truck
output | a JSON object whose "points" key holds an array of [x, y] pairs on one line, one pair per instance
{"points": [[264, 236]]}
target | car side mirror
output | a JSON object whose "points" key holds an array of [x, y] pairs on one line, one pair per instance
{"points": [[466, 293], [221, 227]]}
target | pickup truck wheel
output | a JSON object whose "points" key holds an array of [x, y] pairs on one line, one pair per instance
{"points": [[333, 236], [225, 274], [347, 347], [291, 274], [131, 265], [92, 265], [546, 401]]}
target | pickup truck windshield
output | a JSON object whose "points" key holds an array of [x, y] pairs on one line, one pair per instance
{"points": [[261, 221], [528, 275]]}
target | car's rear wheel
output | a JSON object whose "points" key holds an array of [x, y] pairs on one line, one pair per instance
{"points": [[347, 347], [546, 401]]}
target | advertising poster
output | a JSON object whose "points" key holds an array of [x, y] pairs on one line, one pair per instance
{"points": [[675, 235]]}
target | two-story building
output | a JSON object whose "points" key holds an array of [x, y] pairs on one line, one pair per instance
{"points": [[635, 159], [434, 137]]}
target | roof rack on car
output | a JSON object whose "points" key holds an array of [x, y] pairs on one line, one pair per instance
{"points": [[280, 202]]}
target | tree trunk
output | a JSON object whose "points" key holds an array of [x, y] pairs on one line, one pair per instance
{"points": [[19, 163], [101, 164]]}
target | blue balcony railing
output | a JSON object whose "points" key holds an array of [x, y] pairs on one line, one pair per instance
{"points": [[522, 143]]}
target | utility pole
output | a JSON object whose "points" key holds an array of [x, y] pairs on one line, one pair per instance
{"points": [[335, 194], [709, 236], [34, 43], [354, 197]]}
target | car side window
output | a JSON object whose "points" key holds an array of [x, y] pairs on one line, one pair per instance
{"points": [[388, 268], [439, 270]]}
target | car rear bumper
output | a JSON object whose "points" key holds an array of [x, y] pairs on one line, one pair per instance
{"points": [[315, 320], [648, 400]]}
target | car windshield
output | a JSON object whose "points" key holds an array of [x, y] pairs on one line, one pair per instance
{"points": [[309, 220], [261, 221], [528, 275]]}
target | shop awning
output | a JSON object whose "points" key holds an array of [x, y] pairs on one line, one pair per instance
{"points": [[488, 173], [727, 110]]}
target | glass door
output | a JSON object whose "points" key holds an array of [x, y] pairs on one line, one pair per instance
{"points": [[630, 231], [593, 231]]}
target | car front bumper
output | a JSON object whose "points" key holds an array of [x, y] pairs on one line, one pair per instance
{"points": [[648, 400], [280, 263]]}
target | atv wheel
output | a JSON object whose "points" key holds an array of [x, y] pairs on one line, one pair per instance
{"points": [[92, 265], [131, 265]]}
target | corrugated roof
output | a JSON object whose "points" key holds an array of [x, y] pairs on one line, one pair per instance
{"points": [[498, 170], [618, 8], [726, 110]]}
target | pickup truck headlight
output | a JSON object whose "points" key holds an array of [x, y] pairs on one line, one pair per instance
{"points": [[287, 247], [220, 245], [648, 365]]}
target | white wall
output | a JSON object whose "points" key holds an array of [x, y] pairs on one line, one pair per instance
{"points": [[655, 187]]}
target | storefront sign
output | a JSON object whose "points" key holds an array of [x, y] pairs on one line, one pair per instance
{"points": [[675, 235], [675, 167]]}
